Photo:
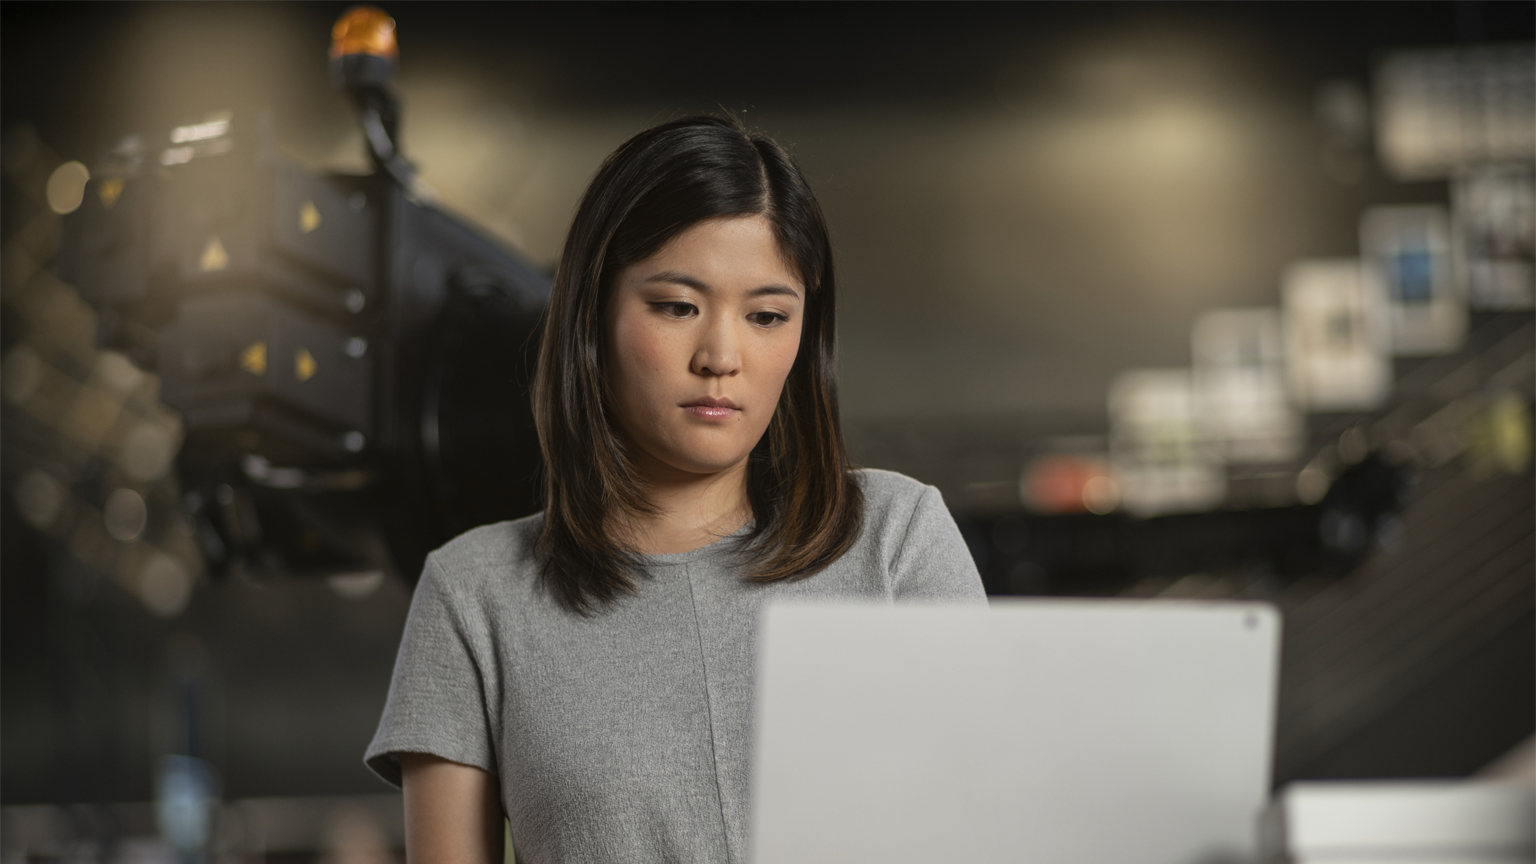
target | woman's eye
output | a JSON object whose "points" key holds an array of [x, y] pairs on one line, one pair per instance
{"points": [[676, 310], [768, 319]]}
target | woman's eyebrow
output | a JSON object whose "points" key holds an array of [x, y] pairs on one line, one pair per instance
{"points": [[774, 289], [679, 278]]}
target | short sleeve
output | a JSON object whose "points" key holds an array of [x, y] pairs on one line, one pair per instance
{"points": [[933, 562], [436, 699]]}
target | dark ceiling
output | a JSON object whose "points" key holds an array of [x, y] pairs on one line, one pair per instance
{"points": [[592, 55]]}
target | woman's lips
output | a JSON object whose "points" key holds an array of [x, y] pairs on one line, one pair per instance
{"points": [[711, 408], [706, 412]]}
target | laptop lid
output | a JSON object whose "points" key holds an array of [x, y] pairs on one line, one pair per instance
{"points": [[1049, 731]]}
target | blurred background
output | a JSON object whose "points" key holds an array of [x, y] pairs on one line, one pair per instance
{"points": [[1209, 300]]}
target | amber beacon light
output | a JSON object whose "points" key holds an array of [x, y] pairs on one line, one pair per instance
{"points": [[364, 30], [363, 58]]}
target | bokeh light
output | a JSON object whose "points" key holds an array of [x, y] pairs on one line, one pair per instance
{"points": [[125, 515], [66, 187]]}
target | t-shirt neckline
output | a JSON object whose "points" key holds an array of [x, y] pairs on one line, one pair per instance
{"points": [[712, 548]]}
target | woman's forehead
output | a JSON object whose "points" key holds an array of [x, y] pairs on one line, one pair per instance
{"points": [[729, 253]]}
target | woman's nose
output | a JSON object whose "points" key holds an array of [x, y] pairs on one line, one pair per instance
{"points": [[717, 353]]}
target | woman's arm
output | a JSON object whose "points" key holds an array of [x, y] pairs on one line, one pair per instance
{"points": [[452, 812]]}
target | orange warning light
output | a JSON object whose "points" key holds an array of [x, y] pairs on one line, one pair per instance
{"points": [[364, 30]]}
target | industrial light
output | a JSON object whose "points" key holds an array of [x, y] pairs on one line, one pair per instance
{"points": [[364, 30]]}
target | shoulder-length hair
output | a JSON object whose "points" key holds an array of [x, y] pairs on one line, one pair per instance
{"points": [[806, 504]]}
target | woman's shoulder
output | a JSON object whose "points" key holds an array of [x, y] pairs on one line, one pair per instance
{"points": [[913, 541], [494, 548], [884, 488], [891, 499]]}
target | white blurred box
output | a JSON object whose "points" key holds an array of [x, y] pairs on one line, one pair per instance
{"points": [[1163, 458], [1239, 377], [1438, 110], [1335, 336], [1385, 822], [1407, 252], [1494, 218]]}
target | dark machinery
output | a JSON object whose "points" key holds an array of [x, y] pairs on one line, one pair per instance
{"points": [[351, 363]]}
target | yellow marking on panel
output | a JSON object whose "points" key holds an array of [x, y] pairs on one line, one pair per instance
{"points": [[304, 366], [109, 191], [309, 217], [214, 256], [254, 358]]}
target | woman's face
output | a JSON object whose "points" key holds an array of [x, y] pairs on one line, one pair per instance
{"points": [[701, 337]]}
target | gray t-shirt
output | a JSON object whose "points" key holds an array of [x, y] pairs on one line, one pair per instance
{"points": [[626, 737]]}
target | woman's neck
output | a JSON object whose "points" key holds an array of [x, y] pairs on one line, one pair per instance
{"points": [[692, 510]]}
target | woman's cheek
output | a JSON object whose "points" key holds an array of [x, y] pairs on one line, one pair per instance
{"points": [[788, 350], [643, 348]]}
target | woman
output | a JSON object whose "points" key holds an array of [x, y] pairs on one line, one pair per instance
{"points": [[588, 670]]}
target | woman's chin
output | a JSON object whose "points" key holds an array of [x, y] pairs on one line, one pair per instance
{"points": [[706, 464]]}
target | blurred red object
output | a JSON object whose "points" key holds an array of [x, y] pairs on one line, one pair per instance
{"points": [[1069, 484]]}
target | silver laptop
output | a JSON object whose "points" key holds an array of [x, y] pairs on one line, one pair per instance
{"points": [[1044, 731]]}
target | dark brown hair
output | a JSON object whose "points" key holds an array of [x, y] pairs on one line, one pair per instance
{"points": [[807, 507]]}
